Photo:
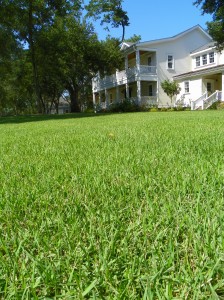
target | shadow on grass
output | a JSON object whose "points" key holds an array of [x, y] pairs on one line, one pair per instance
{"points": [[38, 118]]}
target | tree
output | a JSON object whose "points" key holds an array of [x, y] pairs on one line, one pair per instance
{"points": [[216, 27], [110, 12], [134, 39], [171, 88], [63, 50]]}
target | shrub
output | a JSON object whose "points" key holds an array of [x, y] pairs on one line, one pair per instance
{"points": [[153, 109], [220, 105], [127, 105]]}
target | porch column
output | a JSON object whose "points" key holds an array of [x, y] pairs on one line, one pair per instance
{"points": [[222, 86], [117, 94], [139, 92], [106, 98], [94, 101], [137, 60], [126, 62], [127, 90]]}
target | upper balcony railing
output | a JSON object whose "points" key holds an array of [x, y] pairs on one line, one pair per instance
{"points": [[124, 76]]}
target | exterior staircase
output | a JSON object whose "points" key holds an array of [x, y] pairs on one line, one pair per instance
{"points": [[206, 101]]}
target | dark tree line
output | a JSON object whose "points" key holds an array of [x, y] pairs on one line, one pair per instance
{"points": [[47, 47]]}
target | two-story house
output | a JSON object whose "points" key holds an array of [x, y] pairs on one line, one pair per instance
{"points": [[147, 64]]}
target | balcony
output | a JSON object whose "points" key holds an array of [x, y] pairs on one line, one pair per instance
{"points": [[143, 72]]}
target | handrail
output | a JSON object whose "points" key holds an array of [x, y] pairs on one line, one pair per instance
{"points": [[122, 77], [212, 99]]}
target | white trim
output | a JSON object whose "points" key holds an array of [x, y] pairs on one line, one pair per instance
{"points": [[209, 49]]}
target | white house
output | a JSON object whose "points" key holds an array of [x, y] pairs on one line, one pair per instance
{"points": [[203, 84], [147, 64]]}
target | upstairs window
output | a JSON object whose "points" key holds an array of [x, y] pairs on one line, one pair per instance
{"points": [[186, 87], [211, 57], [170, 62], [204, 59], [198, 61]]}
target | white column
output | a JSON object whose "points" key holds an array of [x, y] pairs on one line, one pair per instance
{"points": [[94, 101], [138, 60], [138, 91], [117, 94], [106, 98], [126, 62], [222, 86], [127, 90]]}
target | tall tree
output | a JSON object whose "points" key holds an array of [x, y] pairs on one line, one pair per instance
{"points": [[216, 27], [64, 51], [110, 12]]}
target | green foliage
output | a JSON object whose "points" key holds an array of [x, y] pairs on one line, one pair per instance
{"points": [[110, 12], [153, 109], [134, 39], [216, 27], [122, 206], [127, 105], [171, 88], [60, 45], [220, 106]]}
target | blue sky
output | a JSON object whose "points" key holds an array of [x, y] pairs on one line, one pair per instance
{"points": [[158, 19]]}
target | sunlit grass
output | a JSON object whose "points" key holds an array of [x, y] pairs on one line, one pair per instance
{"points": [[126, 206]]}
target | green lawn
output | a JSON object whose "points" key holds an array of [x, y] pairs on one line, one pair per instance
{"points": [[125, 206]]}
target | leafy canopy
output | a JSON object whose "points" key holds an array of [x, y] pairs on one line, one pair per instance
{"points": [[216, 27], [171, 88]]}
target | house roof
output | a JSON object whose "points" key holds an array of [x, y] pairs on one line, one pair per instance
{"points": [[126, 45], [204, 47], [139, 44], [205, 71]]}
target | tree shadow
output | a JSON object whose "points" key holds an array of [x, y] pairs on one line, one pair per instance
{"points": [[38, 118]]}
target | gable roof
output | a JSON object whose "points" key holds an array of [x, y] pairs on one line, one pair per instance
{"points": [[126, 45], [168, 39]]}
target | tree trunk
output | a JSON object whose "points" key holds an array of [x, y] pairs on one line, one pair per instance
{"points": [[40, 104], [73, 92]]}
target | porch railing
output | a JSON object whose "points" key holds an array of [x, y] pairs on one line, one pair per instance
{"points": [[216, 96], [206, 101], [196, 104], [123, 77]]}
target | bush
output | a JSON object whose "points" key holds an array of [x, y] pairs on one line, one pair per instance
{"points": [[127, 105], [220, 105], [163, 109], [153, 109]]}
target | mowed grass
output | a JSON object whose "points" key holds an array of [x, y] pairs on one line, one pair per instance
{"points": [[126, 206]]}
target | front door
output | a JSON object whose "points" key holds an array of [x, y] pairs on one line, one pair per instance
{"points": [[210, 86]]}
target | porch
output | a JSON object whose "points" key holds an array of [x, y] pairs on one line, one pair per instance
{"points": [[142, 93], [212, 87], [124, 77]]}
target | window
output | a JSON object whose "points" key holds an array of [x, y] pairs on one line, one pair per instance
{"points": [[198, 61], [209, 87], [170, 63], [211, 57], [111, 98], [149, 61], [186, 87], [150, 90], [204, 59]]}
